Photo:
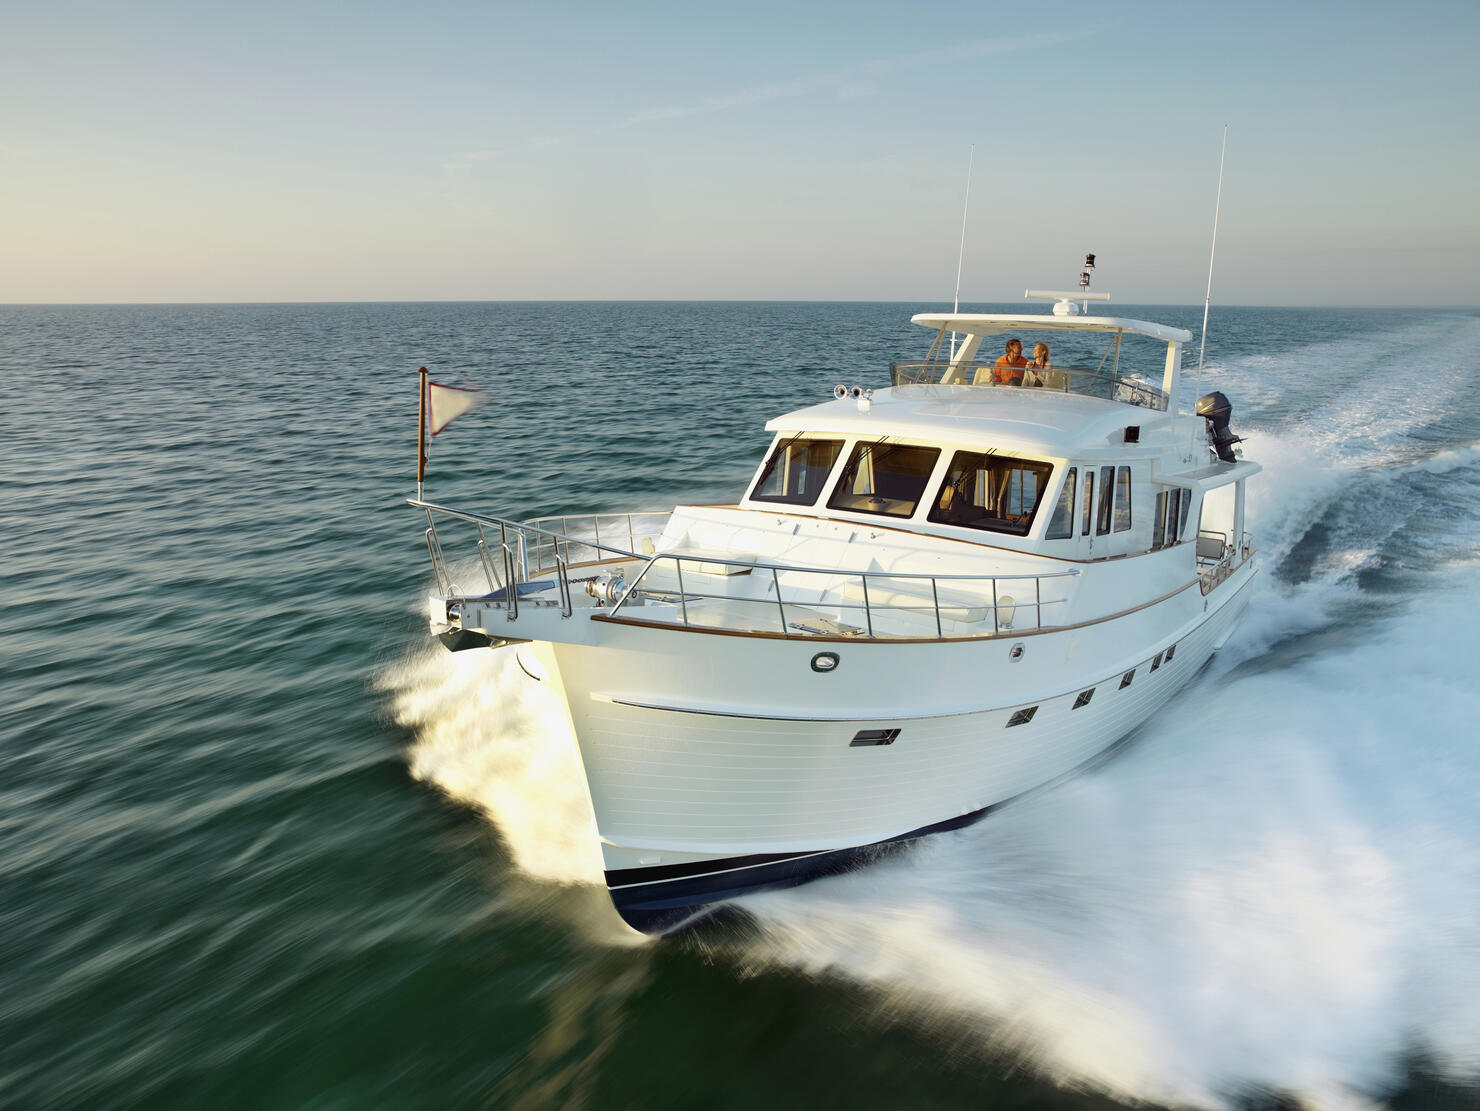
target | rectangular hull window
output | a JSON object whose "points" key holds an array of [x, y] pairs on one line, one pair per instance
{"points": [[1089, 499], [888, 479], [796, 471], [866, 737], [993, 492]]}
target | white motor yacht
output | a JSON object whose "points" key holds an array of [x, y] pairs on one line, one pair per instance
{"points": [[932, 598]]}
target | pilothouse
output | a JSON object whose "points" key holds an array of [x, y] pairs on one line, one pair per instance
{"points": [[932, 597]]}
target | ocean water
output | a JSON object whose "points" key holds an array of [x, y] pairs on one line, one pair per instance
{"points": [[262, 844]]}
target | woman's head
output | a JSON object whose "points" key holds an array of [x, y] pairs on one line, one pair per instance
{"points": [[1040, 352]]}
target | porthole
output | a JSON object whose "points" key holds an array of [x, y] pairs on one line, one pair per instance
{"points": [[1125, 680], [1156, 661], [1170, 650], [1084, 697], [825, 662], [1015, 653], [1022, 717]]}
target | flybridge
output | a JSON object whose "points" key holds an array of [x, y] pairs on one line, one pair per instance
{"points": [[961, 368]]}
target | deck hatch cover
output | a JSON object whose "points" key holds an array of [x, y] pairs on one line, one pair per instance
{"points": [[873, 737]]}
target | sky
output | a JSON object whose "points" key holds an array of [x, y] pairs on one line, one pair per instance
{"points": [[182, 152]]}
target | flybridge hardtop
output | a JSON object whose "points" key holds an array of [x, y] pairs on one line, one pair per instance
{"points": [[992, 324], [928, 600]]}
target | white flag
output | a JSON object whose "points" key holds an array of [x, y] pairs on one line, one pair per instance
{"points": [[446, 403]]}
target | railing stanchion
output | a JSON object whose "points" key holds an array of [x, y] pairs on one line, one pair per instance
{"points": [[683, 604], [483, 555], [935, 597], [1038, 601], [781, 606], [995, 628], [868, 610], [561, 574]]}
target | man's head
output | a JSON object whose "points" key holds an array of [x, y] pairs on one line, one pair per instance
{"points": [[1014, 347]]}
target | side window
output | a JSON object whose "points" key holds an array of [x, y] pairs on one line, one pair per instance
{"points": [[1159, 520], [1123, 499], [888, 479], [796, 471], [1107, 500], [1186, 500], [985, 490], [1089, 500], [1061, 526]]}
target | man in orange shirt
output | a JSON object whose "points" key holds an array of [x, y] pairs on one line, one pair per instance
{"points": [[1008, 370]]}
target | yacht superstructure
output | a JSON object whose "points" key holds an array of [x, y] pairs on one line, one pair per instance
{"points": [[932, 598]]}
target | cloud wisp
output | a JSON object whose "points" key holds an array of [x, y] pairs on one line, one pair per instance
{"points": [[859, 80]]}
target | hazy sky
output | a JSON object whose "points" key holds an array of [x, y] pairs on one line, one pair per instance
{"points": [[387, 151]]}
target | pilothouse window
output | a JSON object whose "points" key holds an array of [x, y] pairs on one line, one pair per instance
{"points": [[796, 471], [1061, 525], [992, 492], [884, 478]]}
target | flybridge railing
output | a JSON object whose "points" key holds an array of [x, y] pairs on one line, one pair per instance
{"points": [[1078, 380], [532, 563]]}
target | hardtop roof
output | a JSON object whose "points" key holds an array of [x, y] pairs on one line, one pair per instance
{"points": [[990, 324], [1056, 425]]}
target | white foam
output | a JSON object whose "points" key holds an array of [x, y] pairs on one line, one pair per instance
{"points": [[488, 734]]}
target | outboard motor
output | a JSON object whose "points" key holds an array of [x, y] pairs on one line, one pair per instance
{"points": [[1215, 409]]}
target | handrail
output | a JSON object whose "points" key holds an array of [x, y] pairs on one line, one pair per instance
{"points": [[877, 598], [1055, 379], [880, 593]]}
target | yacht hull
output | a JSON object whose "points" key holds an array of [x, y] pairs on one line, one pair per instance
{"points": [[720, 765]]}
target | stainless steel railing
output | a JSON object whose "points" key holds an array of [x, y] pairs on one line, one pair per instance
{"points": [[712, 591], [1078, 380], [526, 550], [600, 531], [810, 601]]}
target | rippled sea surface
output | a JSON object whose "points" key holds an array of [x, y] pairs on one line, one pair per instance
{"points": [[264, 845]]}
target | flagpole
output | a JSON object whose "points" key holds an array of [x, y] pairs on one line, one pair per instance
{"points": [[421, 434]]}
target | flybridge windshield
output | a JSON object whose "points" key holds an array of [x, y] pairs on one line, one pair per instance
{"points": [[796, 471]]}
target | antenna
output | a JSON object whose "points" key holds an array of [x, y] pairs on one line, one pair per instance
{"points": [[961, 255], [1208, 300]]}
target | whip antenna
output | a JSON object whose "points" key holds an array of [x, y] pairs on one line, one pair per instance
{"points": [[961, 255], [1208, 300]]}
